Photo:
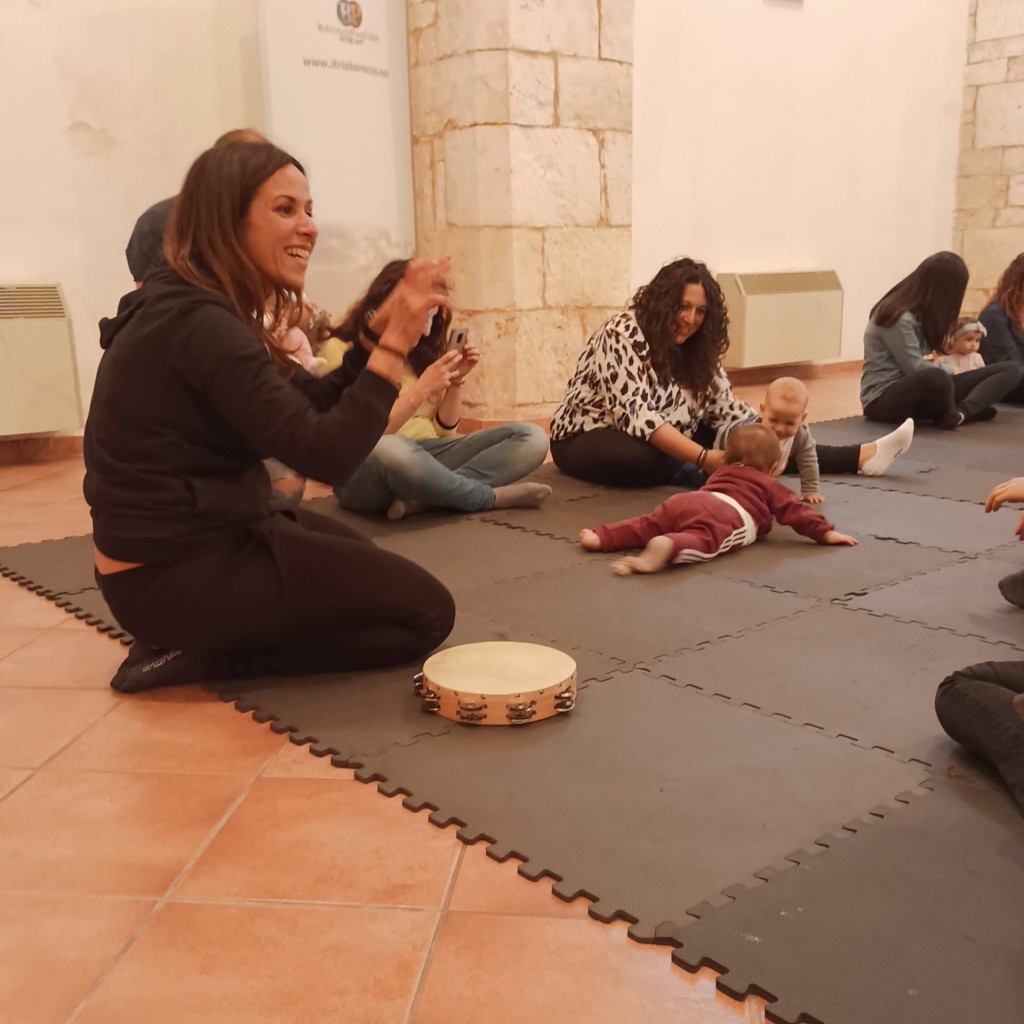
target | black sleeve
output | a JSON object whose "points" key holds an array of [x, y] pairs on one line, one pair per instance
{"points": [[221, 359], [323, 393]]}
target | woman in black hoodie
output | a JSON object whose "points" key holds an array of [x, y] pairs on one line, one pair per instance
{"points": [[187, 402]]}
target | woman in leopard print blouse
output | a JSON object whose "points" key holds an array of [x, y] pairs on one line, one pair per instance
{"points": [[647, 381]]}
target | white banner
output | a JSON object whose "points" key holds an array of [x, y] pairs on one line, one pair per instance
{"points": [[336, 96]]}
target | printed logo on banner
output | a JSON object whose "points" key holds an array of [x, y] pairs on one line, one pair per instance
{"points": [[350, 14]]}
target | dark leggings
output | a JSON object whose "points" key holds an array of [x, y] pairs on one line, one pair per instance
{"points": [[932, 395], [975, 706], [608, 456], [296, 595]]}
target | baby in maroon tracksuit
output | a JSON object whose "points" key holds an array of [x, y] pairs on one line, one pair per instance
{"points": [[733, 509]]}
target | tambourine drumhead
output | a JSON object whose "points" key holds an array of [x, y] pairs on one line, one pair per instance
{"points": [[498, 683]]}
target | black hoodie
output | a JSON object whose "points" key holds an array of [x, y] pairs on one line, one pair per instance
{"points": [[187, 403]]}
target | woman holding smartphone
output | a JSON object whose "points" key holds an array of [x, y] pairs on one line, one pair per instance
{"points": [[421, 461]]}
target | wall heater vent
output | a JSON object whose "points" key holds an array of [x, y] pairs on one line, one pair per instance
{"points": [[775, 319], [38, 370]]}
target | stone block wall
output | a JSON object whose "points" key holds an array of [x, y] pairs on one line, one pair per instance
{"points": [[522, 165], [989, 222]]}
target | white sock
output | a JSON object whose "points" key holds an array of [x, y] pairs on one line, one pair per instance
{"points": [[889, 448]]}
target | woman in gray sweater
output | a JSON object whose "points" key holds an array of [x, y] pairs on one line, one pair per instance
{"points": [[910, 321]]}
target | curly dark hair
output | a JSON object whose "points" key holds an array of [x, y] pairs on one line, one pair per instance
{"points": [[428, 349], [1009, 292], [656, 304], [933, 292]]}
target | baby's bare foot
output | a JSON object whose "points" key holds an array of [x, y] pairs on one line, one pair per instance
{"points": [[590, 540], [653, 558]]}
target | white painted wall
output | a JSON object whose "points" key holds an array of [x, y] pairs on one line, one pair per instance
{"points": [[105, 104], [774, 135]]}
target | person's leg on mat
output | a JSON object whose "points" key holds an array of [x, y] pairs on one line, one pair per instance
{"points": [[982, 708], [976, 391], [608, 456], [284, 600]]}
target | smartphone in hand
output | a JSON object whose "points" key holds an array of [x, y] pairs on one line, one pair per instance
{"points": [[457, 340]]}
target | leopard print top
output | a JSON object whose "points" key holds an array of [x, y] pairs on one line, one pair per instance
{"points": [[615, 386]]}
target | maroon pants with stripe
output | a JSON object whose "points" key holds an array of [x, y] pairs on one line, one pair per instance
{"points": [[699, 525]]}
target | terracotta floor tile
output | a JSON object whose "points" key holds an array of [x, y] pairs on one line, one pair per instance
{"points": [[177, 730], [52, 951], [21, 608], [268, 965], [11, 778], [12, 638], [295, 762], [30, 474], [98, 833], [64, 658], [484, 885], [353, 845], [36, 723], [531, 970]]}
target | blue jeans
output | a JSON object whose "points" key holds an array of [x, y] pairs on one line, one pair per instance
{"points": [[444, 472]]}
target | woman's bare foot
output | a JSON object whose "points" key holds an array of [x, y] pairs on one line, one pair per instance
{"points": [[589, 540], [653, 558]]}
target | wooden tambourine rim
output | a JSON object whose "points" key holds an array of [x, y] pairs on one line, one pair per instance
{"points": [[510, 696]]}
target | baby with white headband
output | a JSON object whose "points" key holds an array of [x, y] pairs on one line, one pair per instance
{"points": [[961, 349]]}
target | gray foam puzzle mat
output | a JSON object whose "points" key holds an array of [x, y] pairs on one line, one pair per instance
{"points": [[729, 713], [813, 670], [636, 618], [786, 561], [946, 876], [717, 793], [956, 526], [499, 555], [51, 567], [963, 598], [564, 519]]}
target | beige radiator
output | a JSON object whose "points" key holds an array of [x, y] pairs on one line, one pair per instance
{"points": [[783, 318], [38, 371]]}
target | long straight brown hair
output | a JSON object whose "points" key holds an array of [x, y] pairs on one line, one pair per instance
{"points": [[205, 236], [933, 292]]}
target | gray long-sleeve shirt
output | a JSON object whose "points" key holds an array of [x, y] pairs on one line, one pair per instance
{"points": [[1003, 343], [891, 353]]}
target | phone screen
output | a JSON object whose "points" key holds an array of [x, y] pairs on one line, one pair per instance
{"points": [[457, 341]]}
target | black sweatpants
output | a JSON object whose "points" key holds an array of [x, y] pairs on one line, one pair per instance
{"points": [[616, 459], [975, 706], [296, 595], [608, 456], [932, 395]]}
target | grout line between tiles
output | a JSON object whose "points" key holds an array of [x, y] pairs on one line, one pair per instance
{"points": [[175, 883], [428, 960]]}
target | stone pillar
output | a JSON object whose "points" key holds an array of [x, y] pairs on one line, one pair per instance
{"points": [[522, 166], [989, 227]]}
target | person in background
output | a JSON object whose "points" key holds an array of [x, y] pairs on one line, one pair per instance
{"points": [[960, 353], [649, 391], [145, 249], [422, 461], [911, 320], [1003, 318]]}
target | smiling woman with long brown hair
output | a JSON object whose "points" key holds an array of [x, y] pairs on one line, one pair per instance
{"points": [[188, 400]]}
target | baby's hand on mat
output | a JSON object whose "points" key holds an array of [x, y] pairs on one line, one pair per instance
{"points": [[835, 537], [590, 540], [812, 499]]}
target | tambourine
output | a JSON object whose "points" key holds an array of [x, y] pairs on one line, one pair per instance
{"points": [[497, 683]]}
